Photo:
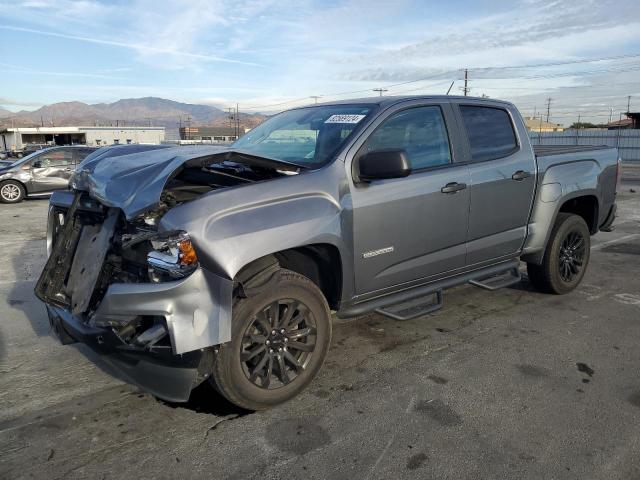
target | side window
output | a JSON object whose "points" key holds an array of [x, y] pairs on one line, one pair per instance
{"points": [[80, 153], [490, 132], [57, 158], [420, 131]]}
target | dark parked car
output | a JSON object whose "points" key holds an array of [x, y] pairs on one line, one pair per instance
{"points": [[40, 173]]}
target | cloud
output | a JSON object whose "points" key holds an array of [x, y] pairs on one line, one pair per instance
{"points": [[10, 68], [18, 103], [141, 48]]}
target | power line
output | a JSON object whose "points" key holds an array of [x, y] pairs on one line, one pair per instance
{"points": [[624, 68], [555, 64]]}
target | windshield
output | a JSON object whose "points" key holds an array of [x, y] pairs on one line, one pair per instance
{"points": [[308, 137]]}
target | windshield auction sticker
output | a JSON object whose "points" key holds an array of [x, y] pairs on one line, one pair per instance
{"points": [[344, 118]]}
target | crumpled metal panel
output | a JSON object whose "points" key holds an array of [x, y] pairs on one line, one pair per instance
{"points": [[197, 308]]}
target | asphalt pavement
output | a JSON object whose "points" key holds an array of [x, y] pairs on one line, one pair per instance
{"points": [[505, 384]]}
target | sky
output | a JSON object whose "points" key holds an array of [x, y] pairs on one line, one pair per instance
{"points": [[269, 55]]}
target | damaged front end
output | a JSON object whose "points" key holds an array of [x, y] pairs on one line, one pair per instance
{"points": [[133, 293], [121, 281]]}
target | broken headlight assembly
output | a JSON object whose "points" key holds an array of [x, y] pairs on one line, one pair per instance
{"points": [[172, 257]]}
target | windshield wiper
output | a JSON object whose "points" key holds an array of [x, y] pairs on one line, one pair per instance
{"points": [[249, 158]]}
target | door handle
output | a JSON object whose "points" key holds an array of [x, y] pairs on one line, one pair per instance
{"points": [[520, 175], [453, 187]]}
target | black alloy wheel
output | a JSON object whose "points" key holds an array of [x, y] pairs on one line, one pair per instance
{"points": [[278, 344], [565, 258], [280, 336], [571, 256]]}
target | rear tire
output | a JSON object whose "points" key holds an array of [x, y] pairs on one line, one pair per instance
{"points": [[11, 192], [566, 257], [280, 337]]}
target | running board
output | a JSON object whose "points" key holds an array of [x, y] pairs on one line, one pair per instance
{"points": [[404, 296], [498, 281], [412, 309]]}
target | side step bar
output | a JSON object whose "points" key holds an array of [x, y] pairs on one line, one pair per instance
{"points": [[501, 280], [410, 310], [405, 296]]}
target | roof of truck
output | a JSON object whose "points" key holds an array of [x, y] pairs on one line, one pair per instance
{"points": [[393, 99]]}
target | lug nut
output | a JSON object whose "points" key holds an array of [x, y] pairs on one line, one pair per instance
{"points": [[282, 331], [286, 340], [273, 332], [280, 349], [270, 350], [267, 342]]}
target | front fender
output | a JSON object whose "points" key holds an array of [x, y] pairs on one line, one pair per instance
{"points": [[264, 218]]}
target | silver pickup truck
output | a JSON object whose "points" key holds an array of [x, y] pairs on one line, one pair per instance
{"points": [[194, 264]]}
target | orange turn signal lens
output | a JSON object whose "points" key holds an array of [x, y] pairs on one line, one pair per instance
{"points": [[187, 253]]}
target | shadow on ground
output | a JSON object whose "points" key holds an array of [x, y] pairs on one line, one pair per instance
{"points": [[206, 399]]}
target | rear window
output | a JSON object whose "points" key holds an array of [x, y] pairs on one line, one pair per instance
{"points": [[490, 132]]}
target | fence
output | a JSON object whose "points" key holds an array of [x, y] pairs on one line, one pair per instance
{"points": [[627, 141]]}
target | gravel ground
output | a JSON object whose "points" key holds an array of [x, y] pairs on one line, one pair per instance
{"points": [[506, 384]]}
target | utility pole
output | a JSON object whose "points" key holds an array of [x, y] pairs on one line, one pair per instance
{"points": [[610, 114], [188, 123], [628, 103], [315, 97], [237, 121], [466, 88], [380, 90], [548, 107]]}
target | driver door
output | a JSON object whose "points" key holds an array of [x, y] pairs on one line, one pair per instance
{"points": [[407, 230], [52, 170]]}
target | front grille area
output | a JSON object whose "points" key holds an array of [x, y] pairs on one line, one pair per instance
{"points": [[79, 249]]}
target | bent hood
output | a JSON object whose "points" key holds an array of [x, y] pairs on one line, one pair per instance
{"points": [[133, 182]]}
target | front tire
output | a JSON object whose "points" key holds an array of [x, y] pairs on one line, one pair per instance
{"points": [[566, 257], [280, 337], [11, 192]]}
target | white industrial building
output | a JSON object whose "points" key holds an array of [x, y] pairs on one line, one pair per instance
{"points": [[12, 139]]}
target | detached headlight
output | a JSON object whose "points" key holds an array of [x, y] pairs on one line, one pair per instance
{"points": [[172, 257]]}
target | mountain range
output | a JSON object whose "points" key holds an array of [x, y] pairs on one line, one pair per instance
{"points": [[131, 111]]}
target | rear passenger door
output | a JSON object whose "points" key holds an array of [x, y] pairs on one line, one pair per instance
{"points": [[409, 229], [503, 175]]}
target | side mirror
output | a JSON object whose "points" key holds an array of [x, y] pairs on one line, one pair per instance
{"points": [[383, 164], [37, 164]]}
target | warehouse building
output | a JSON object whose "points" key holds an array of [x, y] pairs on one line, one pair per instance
{"points": [[534, 124], [15, 139], [210, 134]]}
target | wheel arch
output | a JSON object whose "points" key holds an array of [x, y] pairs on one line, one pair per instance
{"points": [[582, 203], [585, 206], [320, 262]]}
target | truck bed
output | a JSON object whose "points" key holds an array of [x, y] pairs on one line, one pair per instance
{"points": [[547, 150]]}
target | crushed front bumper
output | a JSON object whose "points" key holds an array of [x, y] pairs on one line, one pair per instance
{"points": [[167, 376], [196, 309]]}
